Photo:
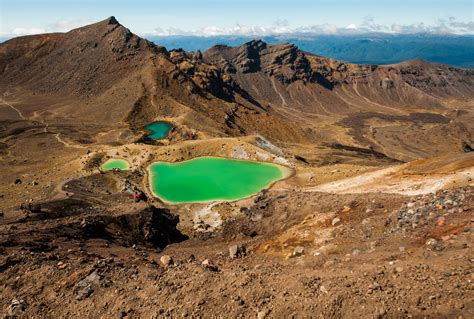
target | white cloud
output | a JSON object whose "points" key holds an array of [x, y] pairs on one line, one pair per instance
{"points": [[58, 26], [215, 31], [368, 25], [317, 29], [280, 27], [26, 31], [67, 25]]}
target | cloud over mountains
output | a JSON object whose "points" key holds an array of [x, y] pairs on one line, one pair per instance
{"points": [[368, 25], [443, 26], [58, 26]]}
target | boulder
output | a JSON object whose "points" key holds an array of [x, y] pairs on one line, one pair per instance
{"points": [[236, 251], [166, 260], [298, 251], [85, 287], [207, 264], [16, 308]]}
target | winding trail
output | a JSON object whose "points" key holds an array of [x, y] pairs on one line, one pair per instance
{"points": [[65, 143], [57, 136], [356, 90], [14, 108], [46, 126], [278, 92]]}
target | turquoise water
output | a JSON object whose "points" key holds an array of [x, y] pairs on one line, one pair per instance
{"points": [[206, 179], [115, 163], [159, 130]]}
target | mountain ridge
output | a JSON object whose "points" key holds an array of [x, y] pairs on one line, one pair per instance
{"points": [[365, 49], [230, 90], [125, 44]]}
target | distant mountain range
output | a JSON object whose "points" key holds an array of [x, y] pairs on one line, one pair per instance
{"points": [[369, 48]]}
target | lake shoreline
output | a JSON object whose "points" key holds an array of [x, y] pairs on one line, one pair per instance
{"points": [[115, 163], [286, 172]]}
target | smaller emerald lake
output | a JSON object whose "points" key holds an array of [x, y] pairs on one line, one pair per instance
{"points": [[205, 179], [159, 130], [115, 164]]}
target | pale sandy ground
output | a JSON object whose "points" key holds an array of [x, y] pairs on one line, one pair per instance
{"points": [[405, 179]]}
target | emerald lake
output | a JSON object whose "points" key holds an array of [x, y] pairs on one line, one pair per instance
{"points": [[115, 164], [159, 130], [206, 179]]}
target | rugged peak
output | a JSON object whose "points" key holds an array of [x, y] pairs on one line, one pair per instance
{"points": [[109, 22], [283, 61], [100, 28], [104, 51], [255, 44], [112, 20], [110, 34], [253, 49]]}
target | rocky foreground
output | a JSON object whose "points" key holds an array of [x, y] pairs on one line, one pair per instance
{"points": [[333, 256]]}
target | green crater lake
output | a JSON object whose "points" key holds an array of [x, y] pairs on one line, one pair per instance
{"points": [[206, 179], [159, 130], [115, 163]]}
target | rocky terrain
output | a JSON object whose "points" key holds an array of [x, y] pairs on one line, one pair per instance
{"points": [[376, 220]]}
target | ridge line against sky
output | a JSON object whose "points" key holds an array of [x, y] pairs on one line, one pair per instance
{"points": [[241, 17]]}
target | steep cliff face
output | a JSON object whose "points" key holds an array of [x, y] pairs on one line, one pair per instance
{"points": [[285, 62]]}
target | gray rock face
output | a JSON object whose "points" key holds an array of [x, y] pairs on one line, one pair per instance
{"points": [[387, 84], [208, 264], [17, 307], [298, 251], [236, 251], [85, 287], [84, 292]]}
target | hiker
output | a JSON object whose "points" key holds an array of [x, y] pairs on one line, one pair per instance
{"points": [[136, 197], [26, 207]]}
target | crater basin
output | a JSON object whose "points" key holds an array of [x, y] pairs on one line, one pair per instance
{"points": [[114, 163], [159, 130], [205, 179]]}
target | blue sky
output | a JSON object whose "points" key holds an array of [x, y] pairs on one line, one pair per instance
{"points": [[210, 17]]}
